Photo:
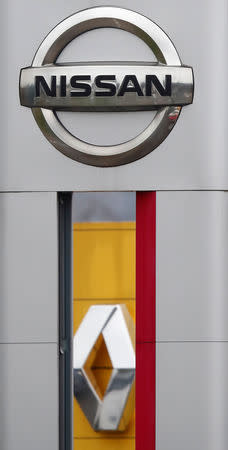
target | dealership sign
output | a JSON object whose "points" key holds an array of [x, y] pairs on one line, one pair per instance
{"points": [[165, 86]]}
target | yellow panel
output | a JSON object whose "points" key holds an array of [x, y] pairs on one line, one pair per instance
{"points": [[102, 358], [104, 444], [104, 260], [104, 273]]}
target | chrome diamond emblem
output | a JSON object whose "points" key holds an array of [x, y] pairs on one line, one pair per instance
{"points": [[113, 324]]}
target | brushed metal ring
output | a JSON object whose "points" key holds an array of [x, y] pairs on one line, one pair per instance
{"points": [[165, 118]]}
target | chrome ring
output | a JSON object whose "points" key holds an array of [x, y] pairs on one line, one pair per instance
{"points": [[165, 118]]}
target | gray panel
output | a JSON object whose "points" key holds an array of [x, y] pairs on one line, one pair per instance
{"points": [[103, 207], [28, 397], [194, 156], [28, 267], [192, 261], [192, 396]]}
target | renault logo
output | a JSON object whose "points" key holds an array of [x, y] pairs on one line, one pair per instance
{"points": [[164, 86], [114, 324]]}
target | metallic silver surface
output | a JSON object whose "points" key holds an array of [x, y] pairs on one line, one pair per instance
{"points": [[166, 116], [182, 82], [111, 412]]}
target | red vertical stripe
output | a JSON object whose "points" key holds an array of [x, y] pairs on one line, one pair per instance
{"points": [[145, 321]]}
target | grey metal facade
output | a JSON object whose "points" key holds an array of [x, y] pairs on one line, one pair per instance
{"points": [[189, 169]]}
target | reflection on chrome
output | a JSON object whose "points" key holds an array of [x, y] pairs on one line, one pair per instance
{"points": [[113, 323], [168, 76]]}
